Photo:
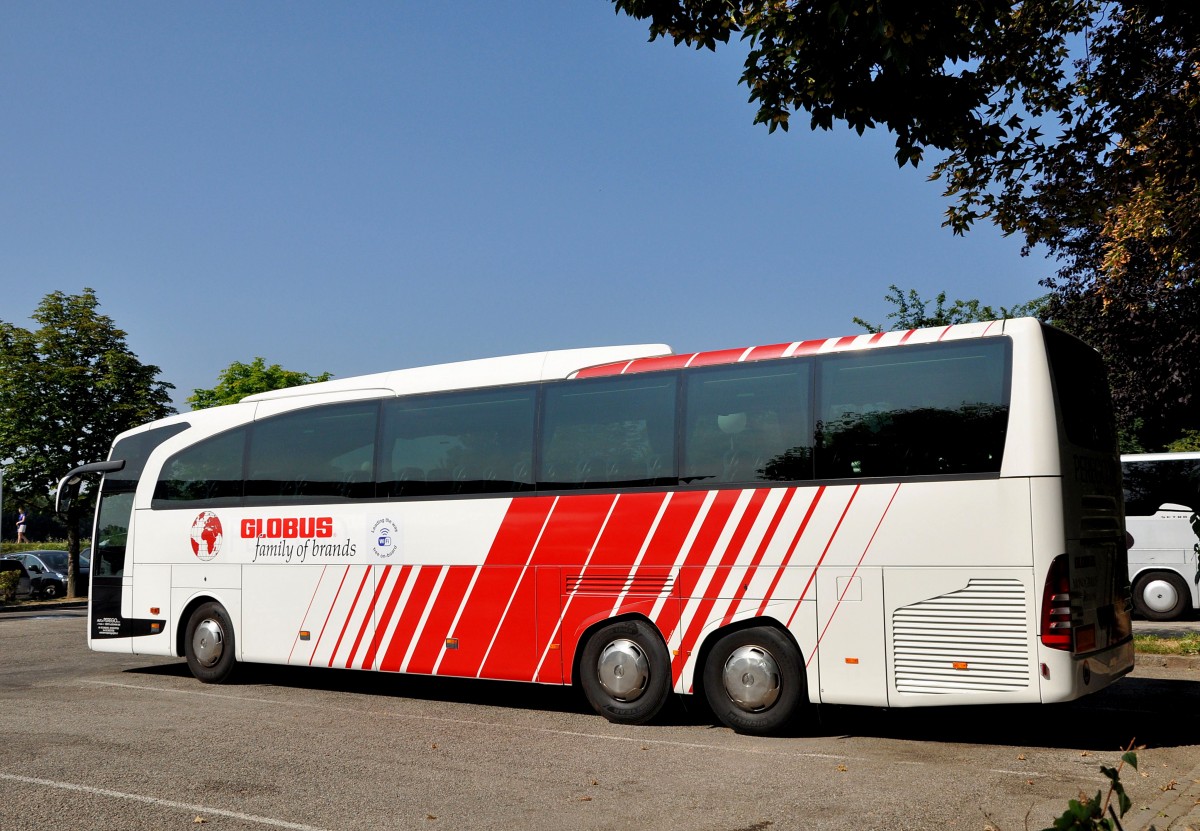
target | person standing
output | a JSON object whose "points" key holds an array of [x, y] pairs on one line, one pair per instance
{"points": [[21, 525]]}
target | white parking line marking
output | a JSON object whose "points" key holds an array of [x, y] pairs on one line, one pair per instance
{"points": [[164, 803], [525, 728]]}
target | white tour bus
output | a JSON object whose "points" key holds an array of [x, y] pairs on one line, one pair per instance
{"points": [[916, 518], [1162, 495]]}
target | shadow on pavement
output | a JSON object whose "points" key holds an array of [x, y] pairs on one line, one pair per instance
{"points": [[1134, 708]]}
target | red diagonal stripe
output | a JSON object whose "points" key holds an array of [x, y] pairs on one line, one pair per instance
{"points": [[566, 541], [304, 620], [385, 617], [699, 554], [369, 617], [779, 572], [717, 580], [332, 605], [861, 557], [613, 557], [433, 638], [821, 559], [744, 583], [410, 617], [349, 615]]}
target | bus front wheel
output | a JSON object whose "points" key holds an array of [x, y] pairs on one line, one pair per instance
{"points": [[208, 643], [754, 680], [1161, 595], [625, 672]]}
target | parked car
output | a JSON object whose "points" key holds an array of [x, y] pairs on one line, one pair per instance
{"points": [[24, 584], [48, 572]]}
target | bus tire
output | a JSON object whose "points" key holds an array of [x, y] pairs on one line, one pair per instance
{"points": [[1161, 595], [625, 672], [754, 681], [209, 644]]}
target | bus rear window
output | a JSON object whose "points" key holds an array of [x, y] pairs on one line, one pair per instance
{"points": [[1081, 387]]}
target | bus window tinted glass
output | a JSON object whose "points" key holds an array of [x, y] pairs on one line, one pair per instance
{"points": [[1150, 485], [134, 451], [112, 530], [1081, 388], [116, 500], [914, 410], [207, 473], [461, 443], [748, 423], [609, 432], [319, 454]]}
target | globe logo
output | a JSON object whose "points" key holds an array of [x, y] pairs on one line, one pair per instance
{"points": [[207, 535]]}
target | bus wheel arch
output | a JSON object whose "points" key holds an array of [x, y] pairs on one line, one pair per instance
{"points": [[1161, 595], [207, 640], [753, 677], [624, 669]]}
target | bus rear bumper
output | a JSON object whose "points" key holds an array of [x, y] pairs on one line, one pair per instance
{"points": [[1066, 677]]}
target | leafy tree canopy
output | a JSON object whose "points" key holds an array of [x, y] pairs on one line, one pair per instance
{"points": [[238, 380], [67, 388], [1074, 124], [913, 313]]}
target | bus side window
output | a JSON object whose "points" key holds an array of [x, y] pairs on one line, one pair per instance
{"points": [[609, 432], [1150, 485], [462, 443], [748, 423], [321, 453], [209, 473], [913, 411]]}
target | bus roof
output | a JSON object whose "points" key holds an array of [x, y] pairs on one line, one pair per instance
{"points": [[608, 360], [797, 348], [484, 372]]}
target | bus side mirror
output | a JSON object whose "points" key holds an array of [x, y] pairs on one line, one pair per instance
{"points": [[68, 491], [68, 486]]}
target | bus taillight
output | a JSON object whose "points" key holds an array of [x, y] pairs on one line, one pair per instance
{"points": [[1056, 605]]}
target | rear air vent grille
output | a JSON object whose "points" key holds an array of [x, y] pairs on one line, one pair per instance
{"points": [[973, 640]]}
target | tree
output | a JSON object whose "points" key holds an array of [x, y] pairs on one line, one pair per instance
{"points": [[1072, 123], [67, 389], [238, 380], [913, 313], [949, 76]]}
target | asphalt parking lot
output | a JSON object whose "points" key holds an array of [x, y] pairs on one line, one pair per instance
{"points": [[100, 741]]}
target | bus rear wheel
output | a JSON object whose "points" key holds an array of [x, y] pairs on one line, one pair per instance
{"points": [[625, 672], [1161, 595], [208, 643], [754, 681]]}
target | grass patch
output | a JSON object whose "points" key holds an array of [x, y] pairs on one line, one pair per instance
{"points": [[1187, 644]]}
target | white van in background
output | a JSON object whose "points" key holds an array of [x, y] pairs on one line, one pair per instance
{"points": [[1162, 496]]}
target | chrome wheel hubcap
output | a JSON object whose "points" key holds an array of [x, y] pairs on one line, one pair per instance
{"points": [[623, 670], [208, 642], [751, 678]]}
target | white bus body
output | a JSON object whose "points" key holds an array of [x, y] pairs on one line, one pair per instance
{"points": [[1162, 494], [906, 519]]}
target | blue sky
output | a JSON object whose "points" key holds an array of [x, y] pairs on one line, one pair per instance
{"points": [[360, 187]]}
